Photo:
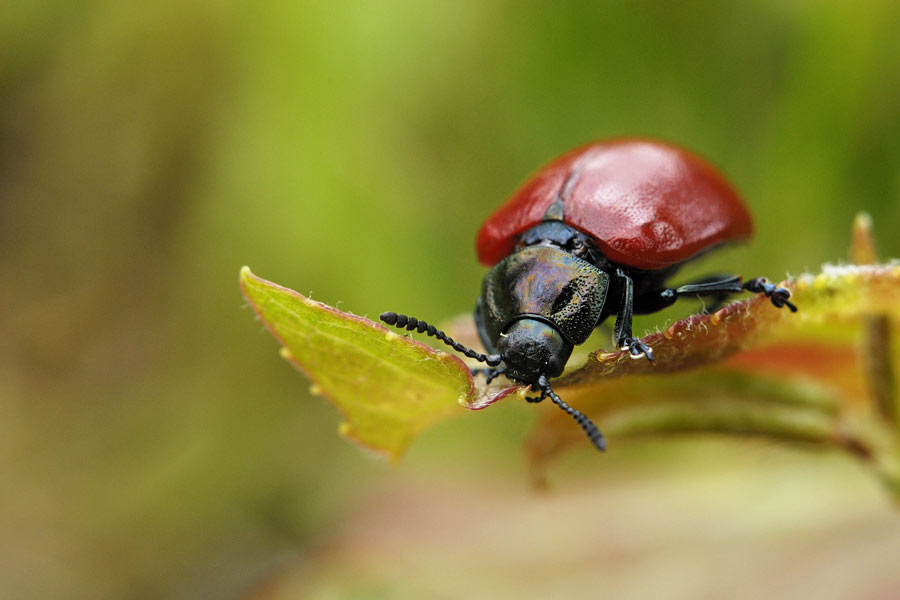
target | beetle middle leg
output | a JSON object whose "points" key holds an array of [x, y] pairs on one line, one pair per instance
{"points": [[622, 332]]}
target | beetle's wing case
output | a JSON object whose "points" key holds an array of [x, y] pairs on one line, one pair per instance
{"points": [[647, 204], [545, 282]]}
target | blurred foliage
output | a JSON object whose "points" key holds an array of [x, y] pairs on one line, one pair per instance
{"points": [[150, 443]]}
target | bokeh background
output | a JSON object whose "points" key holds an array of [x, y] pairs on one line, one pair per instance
{"points": [[152, 443]]}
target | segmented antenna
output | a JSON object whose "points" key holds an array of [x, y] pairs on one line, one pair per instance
{"points": [[410, 323], [593, 433]]}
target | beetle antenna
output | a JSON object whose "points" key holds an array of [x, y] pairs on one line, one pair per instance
{"points": [[410, 323], [592, 431]]}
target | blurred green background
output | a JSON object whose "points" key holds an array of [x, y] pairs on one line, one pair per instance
{"points": [[154, 445]]}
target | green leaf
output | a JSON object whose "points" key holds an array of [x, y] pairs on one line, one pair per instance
{"points": [[388, 387]]}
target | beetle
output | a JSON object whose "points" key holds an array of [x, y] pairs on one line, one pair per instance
{"points": [[595, 233]]}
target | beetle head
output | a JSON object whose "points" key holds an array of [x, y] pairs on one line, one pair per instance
{"points": [[531, 348]]}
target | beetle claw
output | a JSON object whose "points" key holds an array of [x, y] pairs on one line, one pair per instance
{"points": [[637, 348], [777, 295], [535, 400]]}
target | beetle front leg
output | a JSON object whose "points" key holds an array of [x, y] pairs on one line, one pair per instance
{"points": [[536, 399], [490, 373], [622, 333]]}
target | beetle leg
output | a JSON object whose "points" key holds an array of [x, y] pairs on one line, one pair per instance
{"points": [[716, 288], [719, 289], [731, 285], [622, 332], [490, 374], [778, 295]]}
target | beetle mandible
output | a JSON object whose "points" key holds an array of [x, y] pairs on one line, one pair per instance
{"points": [[595, 233]]}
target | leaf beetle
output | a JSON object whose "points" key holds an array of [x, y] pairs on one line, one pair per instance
{"points": [[596, 233]]}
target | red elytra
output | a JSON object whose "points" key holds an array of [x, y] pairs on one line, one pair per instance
{"points": [[647, 204]]}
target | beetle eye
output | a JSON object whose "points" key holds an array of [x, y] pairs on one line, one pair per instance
{"points": [[576, 247]]}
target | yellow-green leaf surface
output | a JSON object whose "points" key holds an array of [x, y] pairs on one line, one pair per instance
{"points": [[388, 386]]}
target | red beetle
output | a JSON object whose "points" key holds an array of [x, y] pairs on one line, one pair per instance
{"points": [[596, 232]]}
